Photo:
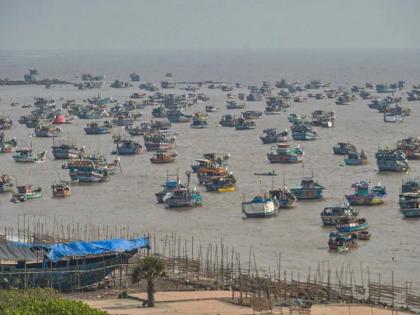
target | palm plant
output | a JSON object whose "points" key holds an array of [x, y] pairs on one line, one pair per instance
{"points": [[149, 268]]}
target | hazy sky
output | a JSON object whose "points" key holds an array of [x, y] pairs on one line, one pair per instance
{"points": [[211, 24]]}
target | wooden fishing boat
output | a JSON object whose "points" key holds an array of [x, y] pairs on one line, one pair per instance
{"points": [[128, 147], [363, 235], [364, 195], [224, 183], [5, 122], [331, 216], [61, 189], [228, 121], [205, 174], [65, 151], [182, 196], [355, 158], [410, 204], [340, 242], [352, 225], [308, 189], [259, 207], [343, 148], [283, 197], [27, 156], [47, 131], [244, 124], [6, 184], [390, 160], [285, 154], [7, 145], [95, 128], [272, 135], [88, 170], [26, 193], [303, 132], [411, 147], [161, 157], [234, 104]]}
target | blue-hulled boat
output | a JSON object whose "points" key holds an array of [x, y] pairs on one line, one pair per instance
{"points": [[308, 189], [364, 195], [244, 124], [303, 132], [350, 226], [355, 158], [128, 147], [259, 207], [96, 129], [390, 160], [410, 204], [283, 197]]}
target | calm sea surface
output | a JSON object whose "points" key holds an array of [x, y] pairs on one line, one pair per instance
{"points": [[128, 199]]}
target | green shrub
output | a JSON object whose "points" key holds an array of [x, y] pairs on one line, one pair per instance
{"points": [[41, 302]]}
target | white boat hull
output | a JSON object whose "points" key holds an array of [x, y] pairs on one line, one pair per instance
{"points": [[261, 209]]}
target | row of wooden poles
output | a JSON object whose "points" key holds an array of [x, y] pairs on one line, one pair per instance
{"points": [[223, 267]]}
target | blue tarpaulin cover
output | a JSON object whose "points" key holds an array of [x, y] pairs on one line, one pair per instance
{"points": [[58, 251]]}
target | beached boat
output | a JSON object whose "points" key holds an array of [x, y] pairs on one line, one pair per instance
{"points": [[331, 216], [303, 132], [223, 183], [283, 153], [95, 128], [410, 204], [26, 193], [228, 121], [365, 195], [352, 225], [161, 157], [308, 189], [27, 156], [244, 124], [259, 207], [343, 148], [272, 135], [6, 184], [128, 147], [391, 160], [61, 189], [283, 197], [235, 104], [355, 158], [47, 131], [340, 242]]}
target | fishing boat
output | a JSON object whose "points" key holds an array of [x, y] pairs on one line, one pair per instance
{"points": [[211, 109], [363, 235], [228, 121], [391, 117], [364, 195], [303, 132], [308, 189], [411, 185], [411, 147], [272, 135], [168, 186], [296, 119], [26, 193], [224, 183], [95, 128], [161, 157], [352, 225], [283, 153], [65, 151], [199, 121], [244, 124], [283, 197], [331, 216], [206, 174], [6, 184], [47, 131], [54, 265], [182, 196], [5, 122], [26, 155], [128, 147], [7, 145], [410, 204], [88, 170], [158, 141], [340, 242], [343, 148], [259, 207], [235, 104], [355, 158], [271, 173], [61, 189], [178, 116], [391, 160]]}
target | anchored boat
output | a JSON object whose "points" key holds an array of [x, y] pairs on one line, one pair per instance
{"points": [[128, 147], [272, 135], [95, 128], [308, 189], [355, 158], [391, 160], [25, 193], [61, 189], [350, 226], [343, 148], [259, 207], [364, 195], [6, 184], [224, 183], [161, 157], [27, 156], [283, 197], [66, 151], [7, 145], [285, 154], [303, 132], [331, 216], [47, 131], [410, 204]]}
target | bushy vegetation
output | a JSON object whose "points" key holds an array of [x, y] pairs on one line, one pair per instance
{"points": [[41, 302]]}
